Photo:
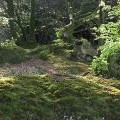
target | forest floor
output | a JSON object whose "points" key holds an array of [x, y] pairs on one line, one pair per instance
{"points": [[55, 89]]}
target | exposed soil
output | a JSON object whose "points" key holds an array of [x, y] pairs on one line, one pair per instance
{"points": [[33, 65]]}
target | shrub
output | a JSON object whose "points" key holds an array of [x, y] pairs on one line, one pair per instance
{"points": [[109, 32], [108, 60], [100, 66], [44, 55], [66, 34], [109, 36], [58, 46], [41, 52], [59, 34]]}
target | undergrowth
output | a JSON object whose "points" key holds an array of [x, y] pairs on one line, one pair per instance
{"points": [[12, 54]]}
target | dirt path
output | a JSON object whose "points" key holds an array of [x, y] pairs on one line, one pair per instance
{"points": [[58, 69], [32, 66]]}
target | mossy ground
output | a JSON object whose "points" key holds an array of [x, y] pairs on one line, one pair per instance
{"points": [[39, 97], [68, 95]]}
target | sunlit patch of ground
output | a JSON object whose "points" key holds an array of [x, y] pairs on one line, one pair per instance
{"points": [[4, 79], [66, 66]]}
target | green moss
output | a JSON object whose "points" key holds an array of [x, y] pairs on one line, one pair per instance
{"points": [[39, 97], [52, 88]]}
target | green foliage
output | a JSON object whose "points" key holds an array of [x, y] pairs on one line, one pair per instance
{"points": [[65, 34], [115, 11], [3, 21], [60, 43], [109, 37], [109, 32], [102, 65], [44, 55], [41, 52], [58, 47], [59, 34]]}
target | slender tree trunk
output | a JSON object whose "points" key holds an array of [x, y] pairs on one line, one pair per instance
{"points": [[10, 12], [101, 12], [32, 22], [70, 12]]}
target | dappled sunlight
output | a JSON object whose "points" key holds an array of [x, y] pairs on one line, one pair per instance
{"points": [[7, 79], [39, 93], [35, 93], [66, 66], [105, 84]]}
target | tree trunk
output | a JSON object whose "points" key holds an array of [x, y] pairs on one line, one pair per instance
{"points": [[23, 31], [101, 12], [10, 12], [32, 22], [113, 3]]}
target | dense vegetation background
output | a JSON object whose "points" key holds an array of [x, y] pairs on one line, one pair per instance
{"points": [[59, 59]]}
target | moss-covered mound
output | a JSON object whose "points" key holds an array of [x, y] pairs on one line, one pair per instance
{"points": [[12, 54], [41, 98]]}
